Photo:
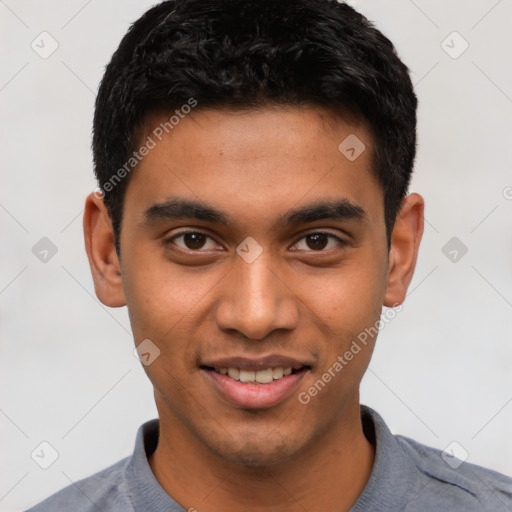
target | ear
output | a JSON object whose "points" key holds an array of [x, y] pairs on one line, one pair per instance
{"points": [[101, 251], [405, 242]]}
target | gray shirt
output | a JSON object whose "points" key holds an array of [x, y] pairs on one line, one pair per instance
{"points": [[406, 476]]}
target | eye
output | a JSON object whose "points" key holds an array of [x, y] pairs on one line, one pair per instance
{"points": [[318, 241], [193, 241]]}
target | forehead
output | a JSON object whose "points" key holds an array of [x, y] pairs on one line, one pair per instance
{"points": [[235, 129], [257, 163]]}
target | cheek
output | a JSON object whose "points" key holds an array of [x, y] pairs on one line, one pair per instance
{"points": [[151, 293], [162, 298], [163, 309], [349, 298]]}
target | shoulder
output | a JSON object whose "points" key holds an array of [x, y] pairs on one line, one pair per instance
{"points": [[105, 490], [412, 477], [443, 480]]}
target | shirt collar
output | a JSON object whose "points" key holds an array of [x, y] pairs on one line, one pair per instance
{"points": [[386, 488], [380, 493], [146, 493]]}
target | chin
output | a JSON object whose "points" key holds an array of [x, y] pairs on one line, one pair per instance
{"points": [[253, 453]]}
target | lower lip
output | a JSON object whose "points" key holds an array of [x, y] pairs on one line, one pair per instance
{"points": [[253, 395]]}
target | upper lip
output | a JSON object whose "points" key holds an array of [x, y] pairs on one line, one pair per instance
{"points": [[255, 364]]}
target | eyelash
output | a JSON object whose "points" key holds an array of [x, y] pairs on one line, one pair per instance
{"points": [[183, 233]]}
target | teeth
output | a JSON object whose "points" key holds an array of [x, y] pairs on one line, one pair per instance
{"points": [[264, 376], [246, 376], [234, 373], [261, 376], [277, 373]]}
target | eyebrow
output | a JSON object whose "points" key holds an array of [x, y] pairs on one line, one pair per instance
{"points": [[178, 208], [341, 209]]}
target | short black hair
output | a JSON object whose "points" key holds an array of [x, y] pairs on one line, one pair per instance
{"points": [[250, 54]]}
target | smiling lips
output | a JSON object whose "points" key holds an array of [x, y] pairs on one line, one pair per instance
{"points": [[258, 383], [261, 376]]}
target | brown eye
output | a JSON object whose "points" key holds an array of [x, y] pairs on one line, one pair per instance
{"points": [[193, 241], [317, 241]]}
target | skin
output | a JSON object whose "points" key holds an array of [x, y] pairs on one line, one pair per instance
{"points": [[307, 303]]}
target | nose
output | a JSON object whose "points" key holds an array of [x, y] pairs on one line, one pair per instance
{"points": [[256, 301]]}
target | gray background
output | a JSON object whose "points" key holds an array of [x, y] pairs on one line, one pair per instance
{"points": [[442, 368]]}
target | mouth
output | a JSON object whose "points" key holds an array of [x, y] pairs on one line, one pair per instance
{"points": [[255, 384], [267, 376]]}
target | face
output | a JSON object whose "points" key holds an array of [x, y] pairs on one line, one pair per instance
{"points": [[253, 255]]}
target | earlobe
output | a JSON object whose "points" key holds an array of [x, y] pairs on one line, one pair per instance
{"points": [[101, 251], [405, 241]]}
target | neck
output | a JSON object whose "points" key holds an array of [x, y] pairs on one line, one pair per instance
{"points": [[328, 475]]}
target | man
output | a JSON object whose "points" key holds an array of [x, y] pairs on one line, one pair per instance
{"points": [[253, 161]]}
